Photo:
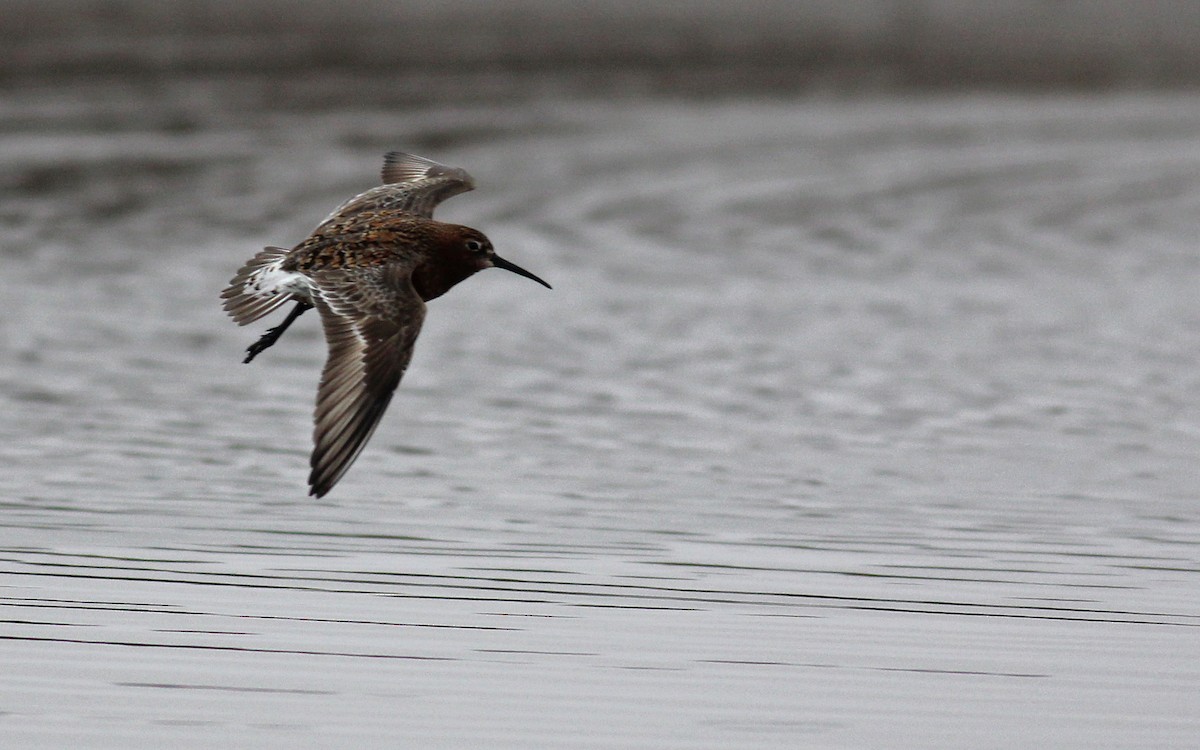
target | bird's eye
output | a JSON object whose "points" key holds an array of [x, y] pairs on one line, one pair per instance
{"points": [[474, 246]]}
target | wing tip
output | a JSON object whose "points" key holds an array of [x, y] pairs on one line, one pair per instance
{"points": [[400, 166]]}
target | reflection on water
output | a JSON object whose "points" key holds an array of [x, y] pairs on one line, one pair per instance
{"points": [[841, 413]]}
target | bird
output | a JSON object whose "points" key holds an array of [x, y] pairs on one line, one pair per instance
{"points": [[368, 269]]}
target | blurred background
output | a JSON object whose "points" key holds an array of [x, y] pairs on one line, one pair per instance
{"points": [[862, 413], [763, 44]]}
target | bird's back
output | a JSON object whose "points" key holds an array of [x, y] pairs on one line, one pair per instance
{"points": [[364, 236]]}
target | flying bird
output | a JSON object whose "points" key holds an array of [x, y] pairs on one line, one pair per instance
{"points": [[368, 268]]}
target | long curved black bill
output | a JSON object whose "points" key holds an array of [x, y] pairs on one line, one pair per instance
{"points": [[499, 262]]}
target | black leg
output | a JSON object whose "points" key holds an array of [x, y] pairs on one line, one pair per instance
{"points": [[272, 335]]}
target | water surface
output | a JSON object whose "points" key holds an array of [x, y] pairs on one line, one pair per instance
{"points": [[849, 423]]}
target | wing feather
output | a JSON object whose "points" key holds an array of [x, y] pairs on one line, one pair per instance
{"points": [[412, 185], [371, 318]]}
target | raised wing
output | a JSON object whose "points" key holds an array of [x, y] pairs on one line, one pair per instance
{"points": [[412, 184], [401, 167], [371, 318]]}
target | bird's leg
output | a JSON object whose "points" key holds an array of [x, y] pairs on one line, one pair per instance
{"points": [[272, 335]]}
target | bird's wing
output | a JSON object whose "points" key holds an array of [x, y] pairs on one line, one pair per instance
{"points": [[401, 167], [417, 185], [412, 185], [371, 318]]}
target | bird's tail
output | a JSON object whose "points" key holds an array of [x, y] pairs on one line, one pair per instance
{"points": [[259, 287]]}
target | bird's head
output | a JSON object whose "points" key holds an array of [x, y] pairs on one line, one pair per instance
{"points": [[477, 248], [461, 252]]}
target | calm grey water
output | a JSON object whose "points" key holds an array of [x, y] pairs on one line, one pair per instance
{"points": [[849, 423]]}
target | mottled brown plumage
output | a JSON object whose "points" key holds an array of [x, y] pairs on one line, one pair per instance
{"points": [[368, 268]]}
